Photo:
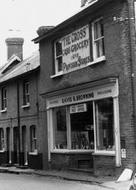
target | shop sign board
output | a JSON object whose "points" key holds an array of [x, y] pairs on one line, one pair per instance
{"points": [[79, 97], [78, 108], [76, 49]]}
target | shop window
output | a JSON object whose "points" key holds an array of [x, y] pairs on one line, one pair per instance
{"points": [[4, 98], [33, 139], [98, 39], [84, 126], [58, 57], [26, 93], [73, 127], [60, 132], [82, 129], [104, 124], [1, 139]]}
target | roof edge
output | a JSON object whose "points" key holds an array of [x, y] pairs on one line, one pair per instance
{"points": [[71, 19]]}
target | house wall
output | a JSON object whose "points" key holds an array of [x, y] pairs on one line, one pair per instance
{"points": [[27, 117]]}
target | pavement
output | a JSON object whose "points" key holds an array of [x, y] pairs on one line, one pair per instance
{"points": [[84, 177]]}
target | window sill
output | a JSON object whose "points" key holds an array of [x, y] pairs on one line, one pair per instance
{"points": [[104, 153], [64, 151], [57, 75], [3, 111], [1, 151], [25, 106], [97, 60]]}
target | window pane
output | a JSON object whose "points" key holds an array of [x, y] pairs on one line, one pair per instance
{"points": [[59, 63], [4, 97], [98, 39], [60, 132], [26, 95], [98, 29], [58, 48], [33, 140], [82, 129], [100, 48], [104, 124]]}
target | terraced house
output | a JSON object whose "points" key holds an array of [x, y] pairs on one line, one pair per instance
{"points": [[19, 108], [87, 82]]}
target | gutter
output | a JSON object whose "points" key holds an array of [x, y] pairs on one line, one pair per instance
{"points": [[18, 123]]}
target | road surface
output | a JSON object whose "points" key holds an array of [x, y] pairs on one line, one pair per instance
{"points": [[34, 182]]}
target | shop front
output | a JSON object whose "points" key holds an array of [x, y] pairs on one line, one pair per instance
{"points": [[83, 123]]}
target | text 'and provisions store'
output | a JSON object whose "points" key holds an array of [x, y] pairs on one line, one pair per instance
{"points": [[83, 125]]}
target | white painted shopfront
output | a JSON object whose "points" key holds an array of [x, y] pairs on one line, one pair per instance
{"points": [[85, 119]]}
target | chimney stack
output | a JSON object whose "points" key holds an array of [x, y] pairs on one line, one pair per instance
{"points": [[15, 46]]}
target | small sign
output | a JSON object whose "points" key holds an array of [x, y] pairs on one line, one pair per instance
{"points": [[78, 108], [123, 153]]}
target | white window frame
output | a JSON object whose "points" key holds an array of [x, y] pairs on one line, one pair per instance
{"points": [[56, 66], [33, 140], [95, 41], [95, 150], [26, 93]]}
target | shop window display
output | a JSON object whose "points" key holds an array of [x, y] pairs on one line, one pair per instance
{"points": [[104, 124], [80, 125], [82, 129], [60, 132], [74, 127]]}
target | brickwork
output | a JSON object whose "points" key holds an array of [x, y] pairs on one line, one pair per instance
{"points": [[14, 46], [27, 116]]}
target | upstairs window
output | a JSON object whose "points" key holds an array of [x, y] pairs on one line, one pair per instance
{"points": [[58, 57], [33, 139], [4, 98], [98, 39], [26, 95]]}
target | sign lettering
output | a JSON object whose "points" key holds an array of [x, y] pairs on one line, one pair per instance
{"points": [[76, 49]]}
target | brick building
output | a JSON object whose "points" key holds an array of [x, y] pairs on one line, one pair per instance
{"points": [[19, 108], [87, 82]]}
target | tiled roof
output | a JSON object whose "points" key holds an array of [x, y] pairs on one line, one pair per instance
{"points": [[29, 64]]}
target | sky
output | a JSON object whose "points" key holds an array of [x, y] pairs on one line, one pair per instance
{"points": [[22, 18]]}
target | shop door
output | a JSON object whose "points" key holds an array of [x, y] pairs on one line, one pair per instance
{"points": [[24, 146], [8, 145], [82, 133], [15, 146]]}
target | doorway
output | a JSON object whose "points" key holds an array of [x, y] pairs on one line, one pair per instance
{"points": [[15, 145], [8, 146], [24, 146]]}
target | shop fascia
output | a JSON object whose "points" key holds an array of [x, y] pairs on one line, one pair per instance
{"points": [[85, 121]]}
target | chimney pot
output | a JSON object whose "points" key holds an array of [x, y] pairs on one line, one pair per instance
{"points": [[15, 46]]}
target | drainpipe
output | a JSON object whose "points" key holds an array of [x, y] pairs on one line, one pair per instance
{"points": [[18, 123], [132, 36]]}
